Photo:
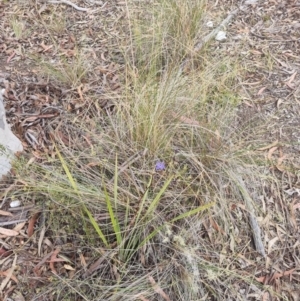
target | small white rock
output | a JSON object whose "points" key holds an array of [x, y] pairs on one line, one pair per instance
{"points": [[251, 2], [221, 36], [210, 24], [14, 204]]}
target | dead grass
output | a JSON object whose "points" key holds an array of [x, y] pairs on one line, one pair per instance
{"points": [[125, 229]]}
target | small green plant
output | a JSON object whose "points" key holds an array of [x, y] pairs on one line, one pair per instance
{"points": [[129, 235], [56, 23], [18, 27]]}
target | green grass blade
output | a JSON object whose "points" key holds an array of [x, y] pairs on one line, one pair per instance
{"points": [[95, 225], [116, 182], [192, 212], [67, 171], [113, 218], [143, 200], [151, 235], [179, 217], [73, 184], [158, 196]]}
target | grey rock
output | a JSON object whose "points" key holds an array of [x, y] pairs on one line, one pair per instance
{"points": [[9, 143]]}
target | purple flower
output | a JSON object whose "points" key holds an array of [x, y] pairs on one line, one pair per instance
{"points": [[160, 165]]}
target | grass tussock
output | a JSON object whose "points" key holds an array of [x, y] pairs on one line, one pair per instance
{"points": [[168, 232], [17, 27], [70, 71]]}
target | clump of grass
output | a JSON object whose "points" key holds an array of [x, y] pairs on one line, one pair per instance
{"points": [[70, 72], [18, 27], [165, 34], [161, 234], [57, 23]]}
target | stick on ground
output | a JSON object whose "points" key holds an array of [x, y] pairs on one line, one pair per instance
{"points": [[199, 45], [252, 217], [69, 3]]}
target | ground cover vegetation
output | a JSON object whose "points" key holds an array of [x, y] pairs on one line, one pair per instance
{"points": [[153, 169]]}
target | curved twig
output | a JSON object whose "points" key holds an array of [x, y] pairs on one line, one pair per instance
{"points": [[69, 3]]}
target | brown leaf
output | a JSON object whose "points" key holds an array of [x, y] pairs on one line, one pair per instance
{"points": [[5, 213], [82, 260], [186, 119], [141, 297], [296, 206], [10, 57], [279, 102], [96, 265], [9, 275], [216, 226], [261, 91], [41, 238], [5, 273], [265, 296], [31, 223], [3, 251], [53, 259], [8, 232], [277, 275], [36, 271], [291, 79], [261, 279], [158, 289], [69, 267], [80, 92], [19, 227], [271, 151], [280, 167], [189, 120], [268, 280], [271, 243], [31, 119], [45, 47], [102, 57], [290, 86], [292, 217]]}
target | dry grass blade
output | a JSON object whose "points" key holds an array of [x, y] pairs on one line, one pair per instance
{"points": [[158, 289], [9, 274]]}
